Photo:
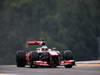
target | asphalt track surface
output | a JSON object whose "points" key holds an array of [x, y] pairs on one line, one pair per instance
{"points": [[79, 69]]}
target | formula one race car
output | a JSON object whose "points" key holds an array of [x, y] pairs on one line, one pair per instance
{"points": [[43, 56]]}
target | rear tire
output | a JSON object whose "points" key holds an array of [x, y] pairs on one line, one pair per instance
{"points": [[20, 59]]}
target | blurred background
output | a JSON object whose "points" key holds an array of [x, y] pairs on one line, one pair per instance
{"points": [[65, 24]]}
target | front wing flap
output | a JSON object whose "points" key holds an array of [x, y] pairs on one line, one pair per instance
{"points": [[62, 63]]}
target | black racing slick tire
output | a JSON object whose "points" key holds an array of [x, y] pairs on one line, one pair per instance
{"points": [[68, 66], [20, 59], [67, 55]]}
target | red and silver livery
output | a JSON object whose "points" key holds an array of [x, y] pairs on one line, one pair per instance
{"points": [[43, 56]]}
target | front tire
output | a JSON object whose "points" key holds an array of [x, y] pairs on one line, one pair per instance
{"points": [[67, 55], [33, 57], [68, 66]]}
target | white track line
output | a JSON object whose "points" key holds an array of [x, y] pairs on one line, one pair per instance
{"points": [[88, 62], [7, 74]]}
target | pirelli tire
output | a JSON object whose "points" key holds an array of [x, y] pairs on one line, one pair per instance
{"points": [[20, 58], [33, 57], [67, 55]]}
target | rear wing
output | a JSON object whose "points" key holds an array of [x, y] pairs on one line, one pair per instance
{"points": [[33, 42]]}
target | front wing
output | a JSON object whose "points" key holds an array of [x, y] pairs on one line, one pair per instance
{"points": [[62, 63]]}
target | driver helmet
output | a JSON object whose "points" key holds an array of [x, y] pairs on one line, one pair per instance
{"points": [[45, 48]]}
